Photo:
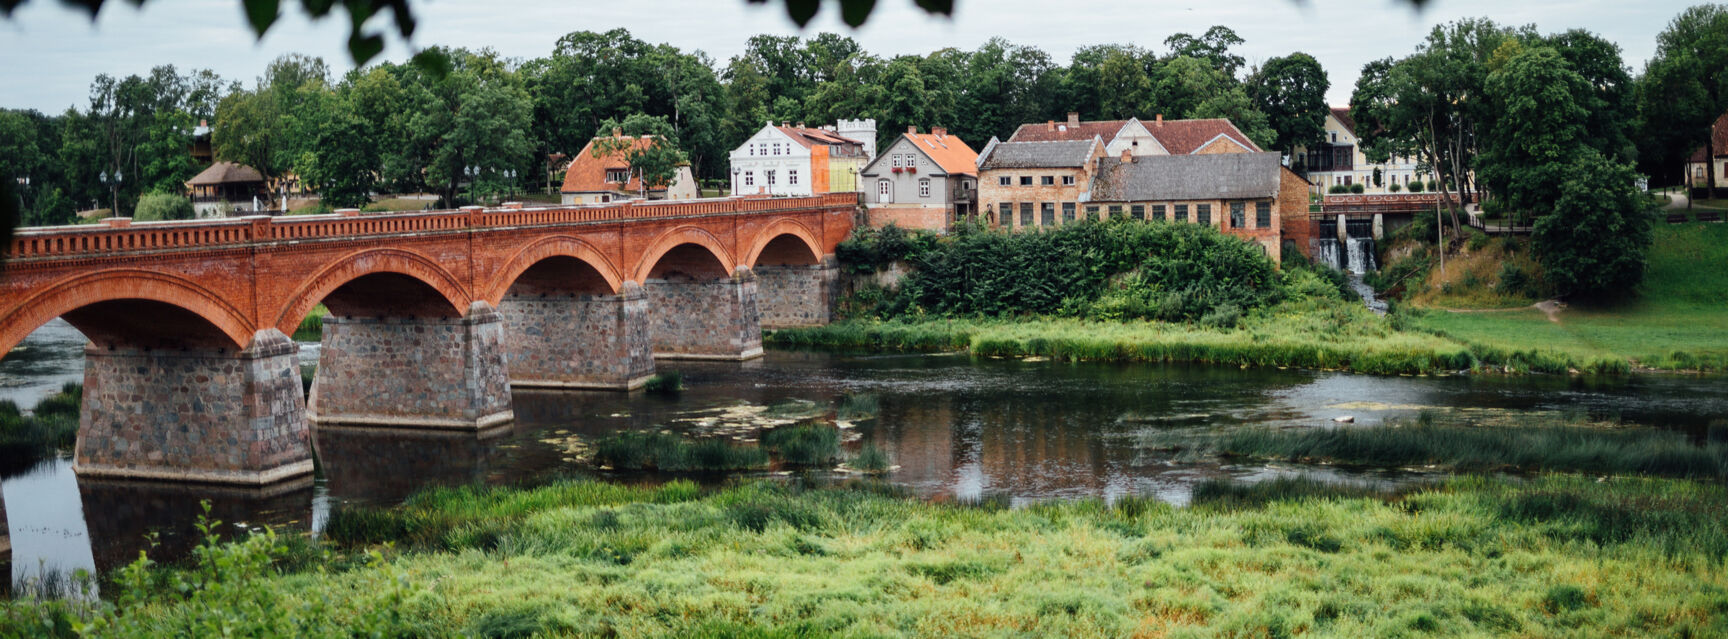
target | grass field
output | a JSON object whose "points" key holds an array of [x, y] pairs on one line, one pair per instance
{"points": [[1550, 556], [1678, 320]]}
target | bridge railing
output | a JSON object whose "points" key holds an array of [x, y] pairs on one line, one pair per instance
{"points": [[121, 235]]}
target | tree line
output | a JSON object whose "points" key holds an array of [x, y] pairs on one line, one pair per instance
{"points": [[391, 127]]}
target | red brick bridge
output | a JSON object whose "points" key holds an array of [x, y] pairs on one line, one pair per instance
{"points": [[190, 373]]}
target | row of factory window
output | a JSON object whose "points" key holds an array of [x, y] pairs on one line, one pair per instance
{"points": [[1044, 213], [791, 177], [1026, 180]]}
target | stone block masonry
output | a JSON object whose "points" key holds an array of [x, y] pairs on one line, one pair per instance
{"points": [[705, 319], [796, 295], [438, 372], [201, 415], [578, 341]]}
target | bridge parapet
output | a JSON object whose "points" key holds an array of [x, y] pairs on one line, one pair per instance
{"points": [[123, 236]]}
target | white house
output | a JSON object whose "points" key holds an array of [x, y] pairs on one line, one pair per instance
{"points": [[796, 160]]}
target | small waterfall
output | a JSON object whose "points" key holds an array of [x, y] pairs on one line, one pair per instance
{"points": [[1360, 254], [1326, 252]]}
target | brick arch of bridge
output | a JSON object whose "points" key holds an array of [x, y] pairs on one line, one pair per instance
{"points": [[547, 248], [362, 263], [783, 227], [72, 293], [678, 237]]}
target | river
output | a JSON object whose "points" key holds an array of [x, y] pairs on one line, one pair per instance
{"points": [[957, 427]]}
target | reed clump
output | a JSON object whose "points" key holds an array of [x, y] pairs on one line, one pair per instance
{"points": [[671, 452], [52, 425]]}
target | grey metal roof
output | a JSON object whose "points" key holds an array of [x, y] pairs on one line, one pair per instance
{"points": [[1225, 176], [1039, 155]]}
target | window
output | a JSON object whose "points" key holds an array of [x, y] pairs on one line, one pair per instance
{"points": [[770, 177], [749, 178], [1025, 180], [1158, 212], [1067, 180], [792, 176], [1115, 211], [1025, 214], [1137, 211], [752, 149], [1181, 213], [924, 187], [1067, 211], [1237, 219], [896, 160], [1048, 180], [1203, 214], [1092, 213], [1047, 212], [1334, 137], [1004, 181], [617, 175], [776, 150], [1008, 215]]}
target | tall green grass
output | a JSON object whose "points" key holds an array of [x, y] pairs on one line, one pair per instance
{"points": [[311, 327], [804, 444], [1547, 556], [670, 452], [51, 426]]}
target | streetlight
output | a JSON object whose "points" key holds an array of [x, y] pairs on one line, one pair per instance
{"points": [[113, 181], [735, 172], [510, 182], [473, 173]]}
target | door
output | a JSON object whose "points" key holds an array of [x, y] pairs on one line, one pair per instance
{"points": [[884, 191]]}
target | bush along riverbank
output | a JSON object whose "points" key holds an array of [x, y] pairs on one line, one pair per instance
{"points": [[1115, 291], [51, 426], [1550, 556]]}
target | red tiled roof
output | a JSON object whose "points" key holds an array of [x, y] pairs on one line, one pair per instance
{"points": [[1343, 116], [587, 174], [947, 151], [1054, 131], [1178, 136], [808, 136], [1719, 135]]}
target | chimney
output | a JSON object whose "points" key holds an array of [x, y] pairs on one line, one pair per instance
{"points": [[911, 129], [1073, 119], [617, 132], [800, 125], [1160, 121], [1049, 125], [785, 123], [939, 132], [1127, 156]]}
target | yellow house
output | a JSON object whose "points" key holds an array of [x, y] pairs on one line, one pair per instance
{"points": [[1339, 161]]}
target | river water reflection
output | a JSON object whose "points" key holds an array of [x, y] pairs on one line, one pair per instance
{"points": [[957, 427]]}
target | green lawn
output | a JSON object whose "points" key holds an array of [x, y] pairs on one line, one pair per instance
{"points": [[1678, 321]]}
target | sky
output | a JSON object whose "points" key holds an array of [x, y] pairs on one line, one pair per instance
{"points": [[49, 53]]}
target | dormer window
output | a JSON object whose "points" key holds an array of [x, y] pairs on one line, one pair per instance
{"points": [[617, 175]]}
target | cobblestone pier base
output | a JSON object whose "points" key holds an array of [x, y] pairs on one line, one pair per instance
{"points": [[712, 319], [436, 372], [578, 341], [796, 295], [199, 415]]}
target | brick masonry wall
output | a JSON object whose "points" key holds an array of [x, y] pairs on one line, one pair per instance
{"points": [[928, 218], [992, 195], [796, 295], [423, 372], [1293, 212], [586, 341], [198, 415], [716, 319]]}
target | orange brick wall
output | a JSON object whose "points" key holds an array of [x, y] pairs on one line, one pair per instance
{"points": [[1293, 210], [991, 194], [818, 169], [928, 218]]}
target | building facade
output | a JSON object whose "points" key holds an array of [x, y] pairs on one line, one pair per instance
{"points": [[1030, 184], [922, 180], [1248, 195], [1339, 161], [796, 160], [591, 179], [1703, 164], [1158, 137]]}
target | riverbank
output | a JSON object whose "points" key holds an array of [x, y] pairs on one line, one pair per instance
{"points": [[1623, 557], [1678, 321]]}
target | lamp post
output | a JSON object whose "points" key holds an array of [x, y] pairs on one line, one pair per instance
{"points": [[113, 181], [473, 173], [735, 172], [510, 182]]}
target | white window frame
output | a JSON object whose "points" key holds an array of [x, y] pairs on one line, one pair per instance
{"points": [[923, 187], [882, 186], [770, 173], [1067, 180], [792, 177], [896, 160], [749, 178]]}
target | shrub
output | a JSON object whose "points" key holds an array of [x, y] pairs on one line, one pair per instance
{"points": [[163, 206], [1415, 186], [1338, 188], [1394, 187], [1357, 188], [1513, 279]]}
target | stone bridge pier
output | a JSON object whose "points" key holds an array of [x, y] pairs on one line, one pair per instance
{"points": [[396, 354], [167, 397], [699, 310], [568, 329]]}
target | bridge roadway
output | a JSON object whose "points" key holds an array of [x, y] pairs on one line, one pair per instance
{"points": [[190, 374]]}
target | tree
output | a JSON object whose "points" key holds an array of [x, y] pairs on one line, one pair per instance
{"points": [[655, 162], [1291, 92], [1595, 243], [1123, 87], [157, 206], [1687, 84], [1539, 128], [1212, 46]]}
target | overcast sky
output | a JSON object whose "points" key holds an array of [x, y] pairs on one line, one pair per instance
{"points": [[49, 54]]}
